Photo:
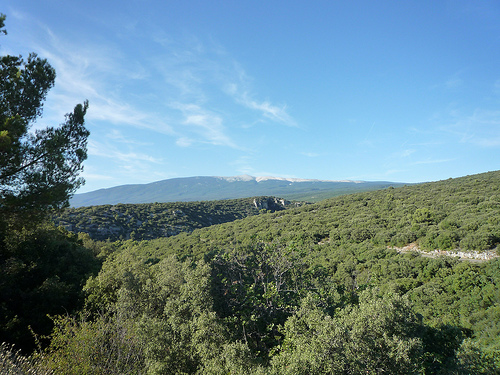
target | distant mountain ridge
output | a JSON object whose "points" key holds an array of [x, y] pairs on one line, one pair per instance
{"points": [[203, 188], [246, 177]]}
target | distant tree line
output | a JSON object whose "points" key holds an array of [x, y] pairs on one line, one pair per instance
{"points": [[154, 220]]}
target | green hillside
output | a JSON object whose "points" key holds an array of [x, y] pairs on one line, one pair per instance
{"points": [[462, 213], [154, 220], [317, 289]]}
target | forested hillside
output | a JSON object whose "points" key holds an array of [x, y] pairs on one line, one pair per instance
{"points": [[309, 290], [456, 213], [155, 220]]}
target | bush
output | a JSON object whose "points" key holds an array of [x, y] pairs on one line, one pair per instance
{"points": [[12, 362]]}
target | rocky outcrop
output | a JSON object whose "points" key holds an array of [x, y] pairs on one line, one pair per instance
{"points": [[458, 253], [273, 204]]}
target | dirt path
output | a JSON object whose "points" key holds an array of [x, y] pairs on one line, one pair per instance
{"points": [[473, 256]]}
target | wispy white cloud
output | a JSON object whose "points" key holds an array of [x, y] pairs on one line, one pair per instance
{"points": [[481, 128], [214, 86], [196, 69], [184, 142], [268, 110], [123, 161], [400, 157], [106, 110], [107, 150], [118, 136], [244, 165], [204, 123], [96, 73]]}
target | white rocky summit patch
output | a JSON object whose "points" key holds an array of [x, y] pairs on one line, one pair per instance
{"points": [[246, 177]]}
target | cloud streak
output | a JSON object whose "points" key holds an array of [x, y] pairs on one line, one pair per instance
{"points": [[432, 161], [278, 114], [185, 86], [481, 128], [107, 150], [203, 124], [268, 110]]}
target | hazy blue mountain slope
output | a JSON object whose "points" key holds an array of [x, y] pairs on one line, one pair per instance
{"points": [[217, 188]]}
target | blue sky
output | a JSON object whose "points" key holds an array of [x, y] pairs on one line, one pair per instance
{"points": [[405, 91]]}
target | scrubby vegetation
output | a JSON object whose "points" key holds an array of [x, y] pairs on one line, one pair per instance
{"points": [[153, 220], [461, 213], [313, 290]]}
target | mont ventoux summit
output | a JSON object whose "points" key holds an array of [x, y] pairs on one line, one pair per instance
{"points": [[216, 188]]}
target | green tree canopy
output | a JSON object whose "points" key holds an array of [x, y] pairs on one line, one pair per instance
{"points": [[2, 24], [41, 268], [38, 169]]}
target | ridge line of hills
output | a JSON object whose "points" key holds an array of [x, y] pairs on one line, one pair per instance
{"points": [[209, 188], [454, 214], [461, 213]]}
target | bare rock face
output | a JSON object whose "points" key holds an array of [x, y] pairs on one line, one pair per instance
{"points": [[271, 203]]}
